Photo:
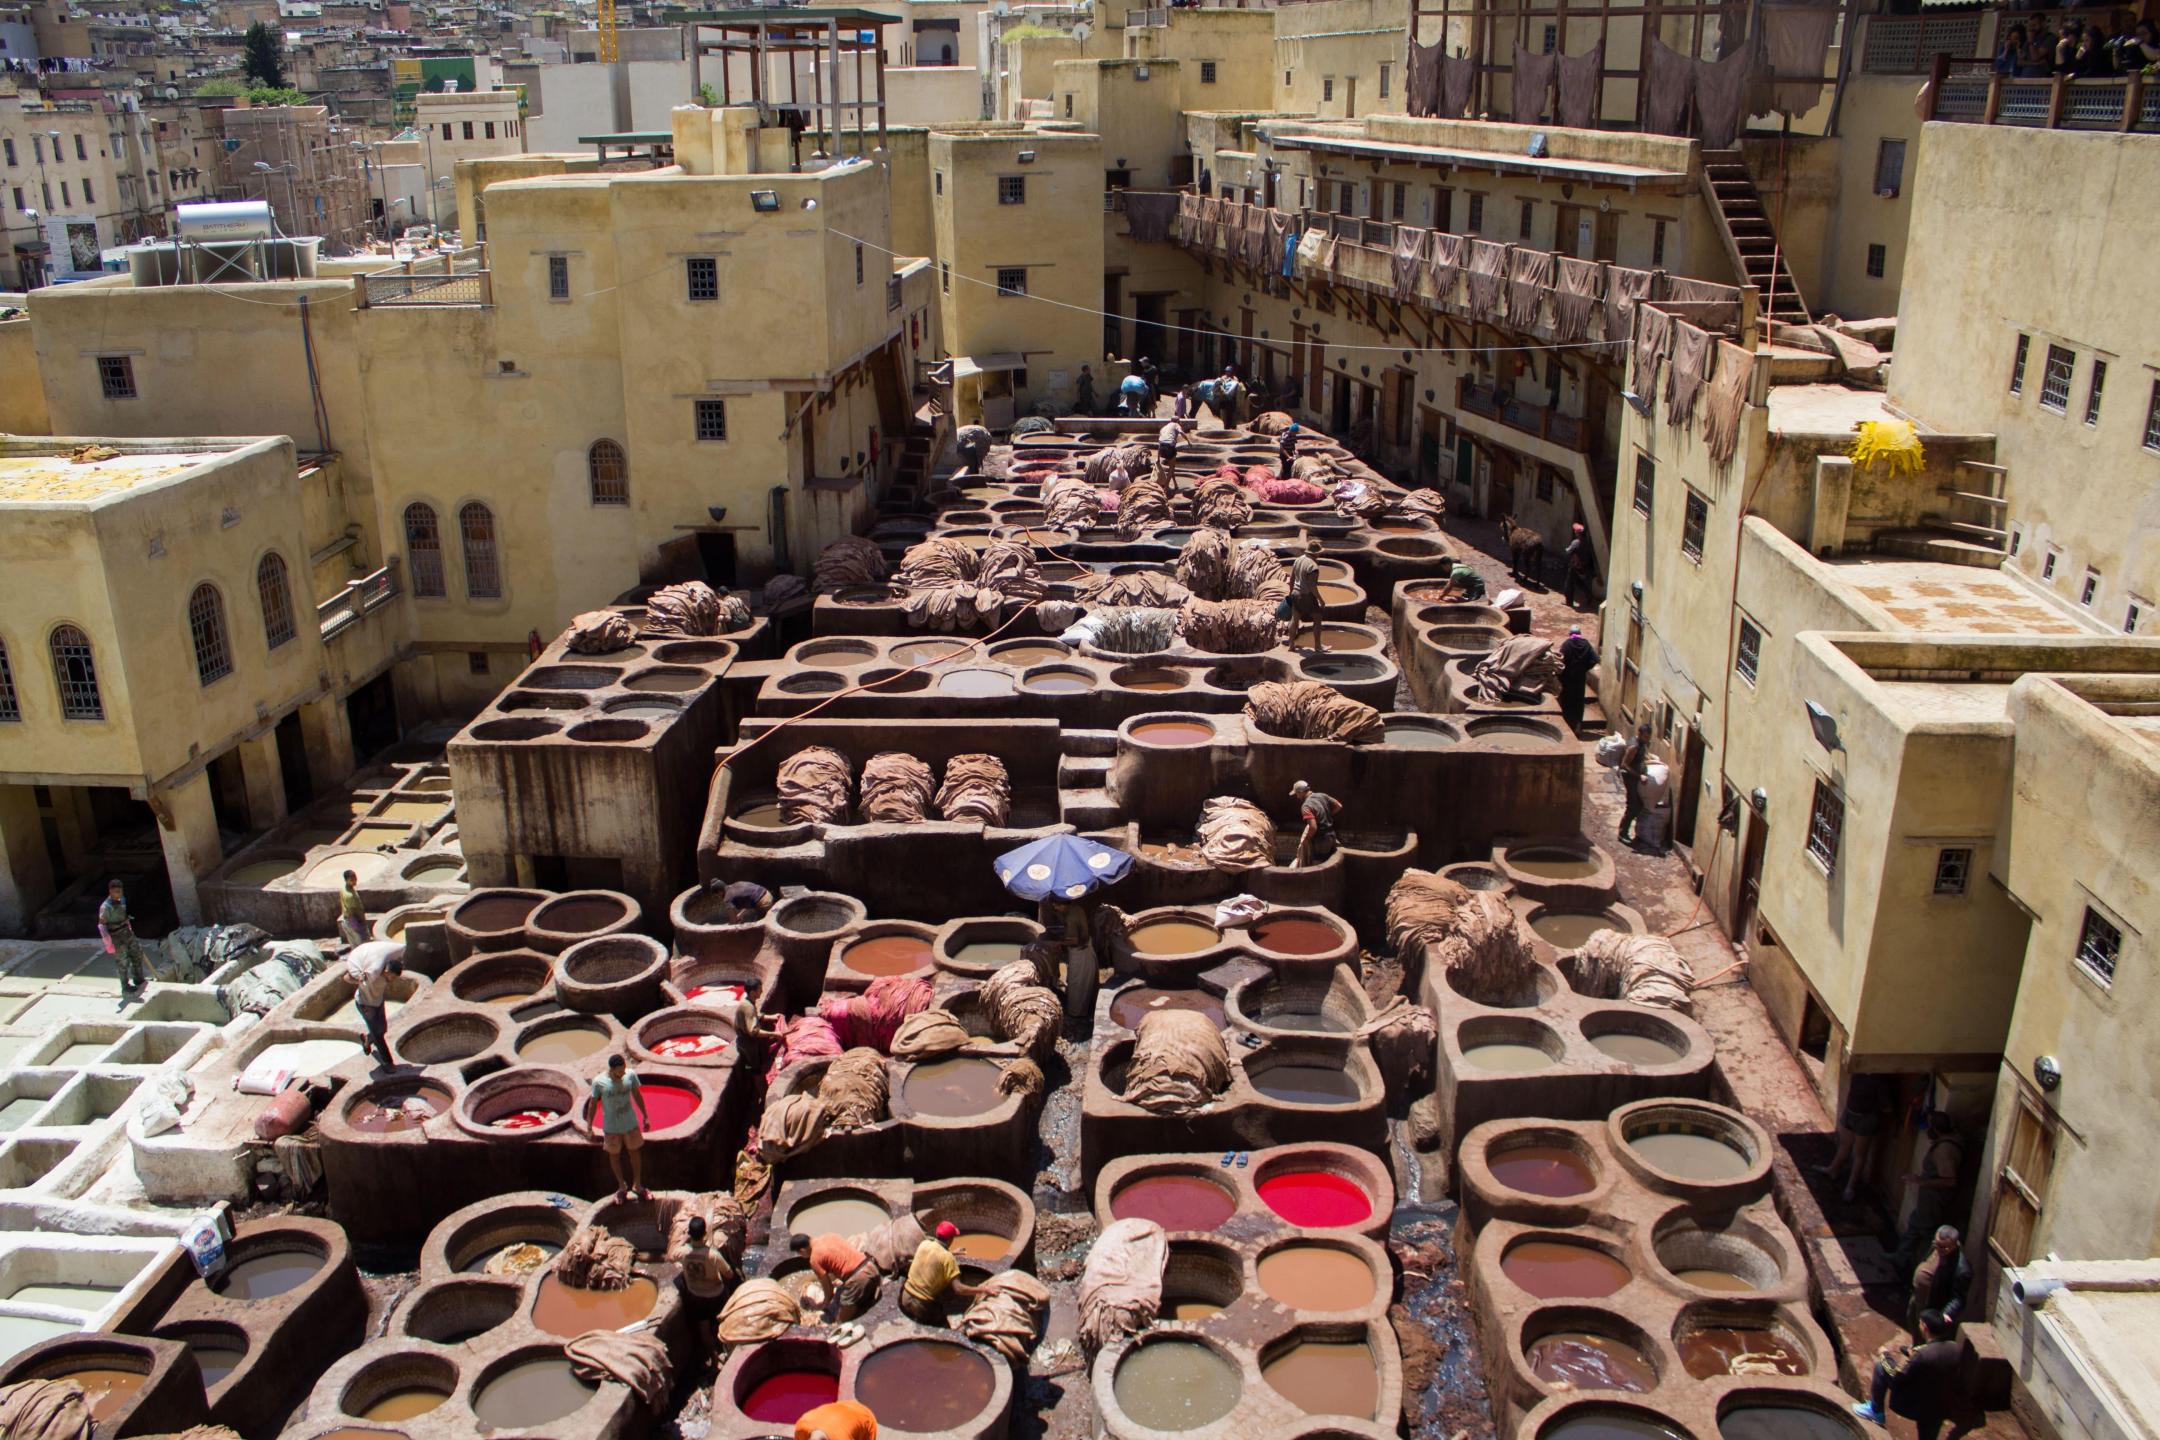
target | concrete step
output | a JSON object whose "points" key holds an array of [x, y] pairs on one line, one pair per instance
{"points": [[1087, 742], [1089, 809], [1983, 534], [1993, 502], [1083, 772], [1931, 543]]}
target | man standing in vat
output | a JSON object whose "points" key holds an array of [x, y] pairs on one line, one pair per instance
{"points": [[371, 966], [351, 914], [623, 1123], [744, 902], [117, 928], [850, 1276], [1316, 816], [933, 1274]]}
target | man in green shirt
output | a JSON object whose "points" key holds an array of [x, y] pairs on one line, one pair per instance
{"points": [[623, 1123], [352, 915], [118, 930], [1463, 583]]}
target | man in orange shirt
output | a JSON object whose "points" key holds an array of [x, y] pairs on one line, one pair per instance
{"points": [[841, 1420], [850, 1277]]}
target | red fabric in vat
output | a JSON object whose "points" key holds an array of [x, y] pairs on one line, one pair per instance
{"points": [[690, 1046], [527, 1119]]}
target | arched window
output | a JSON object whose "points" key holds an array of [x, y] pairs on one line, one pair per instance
{"points": [[75, 672], [10, 704], [609, 471], [423, 550], [276, 596], [483, 573], [206, 623]]}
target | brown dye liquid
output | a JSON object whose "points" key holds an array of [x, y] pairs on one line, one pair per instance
{"points": [[975, 684], [1709, 1352], [559, 1309], [1294, 936], [566, 1046], [1560, 1270], [1174, 732], [1327, 1377], [1317, 1277], [1153, 680], [1342, 637], [661, 681], [1507, 1058], [1063, 683], [404, 1404], [1549, 1170], [1511, 737], [1175, 1202], [1306, 1084], [1132, 1005], [1723, 1282], [1173, 937], [1175, 1308], [515, 994], [108, 1389], [979, 1245], [767, 814], [1782, 1422], [988, 954], [840, 1215], [1693, 1157], [923, 651], [924, 1385], [537, 1392], [1553, 864], [387, 1115], [1580, 1360], [1565, 930], [1025, 655], [1636, 1049], [1337, 594], [888, 955], [962, 1086], [1610, 1425]]}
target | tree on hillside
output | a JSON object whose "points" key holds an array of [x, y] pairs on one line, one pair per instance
{"points": [[262, 56]]}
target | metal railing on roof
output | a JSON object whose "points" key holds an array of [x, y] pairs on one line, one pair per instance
{"points": [[1908, 44], [359, 598]]}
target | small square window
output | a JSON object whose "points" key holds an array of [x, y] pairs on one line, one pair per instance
{"points": [[1529, 216], [1826, 826], [1692, 526], [711, 419], [2152, 418], [467, 129], [1645, 484], [2099, 946], [1878, 261], [558, 277], [81, 153], [702, 274], [1747, 659], [89, 195], [1068, 105], [2047, 566], [1544, 485], [1285, 80], [116, 376], [1327, 87], [476, 661], [2017, 365], [1953, 867], [1657, 243], [2090, 590], [2092, 391], [1207, 72], [1012, 280], [858, 265], [488, 131], [1477, 214], [2055, 378], [1012, 189]]}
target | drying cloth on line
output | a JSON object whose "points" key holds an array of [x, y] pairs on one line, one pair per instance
{"points": [[1684, 381], [1148, 214], [1256, 237], [45, 1410], [1235, 835], [1671, 79], [1282, 244], [1487, 278], [1123, 631], [854, 1089], [1721, 88], [1443, 263], [1485, 955], [1070, 504], [892, 1245], [596, 632], [814, 784], [1653, 341], [593, 1259], [1409, 259], [1147, 589], [1424, 78], [1022, 1077], [850, 560], [639, 1361], [1256, 573], [1529, 276], [976, 788], [1188, 218], [1728, 397], [1624, 290], [1178, 1063], [1421, 910], [1521, 669], [1145, 505], [1228, 627], [874, 1016], [1121, 1284], [1022, 1010], [1574, 299], [806, 1037], [1211, 214], [790, 1125], [1533, 78], [514, 1260], [1578, 86], [1203, 564], [1310, 710], [1458, 79], [1006, 1313], [1640, 969], [1714, 307], [758, 1310], [1270, 423], [896, 788], [694, 608], [928, 1034], [1796, 40]]}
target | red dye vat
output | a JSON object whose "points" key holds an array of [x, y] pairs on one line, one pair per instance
{"points": [[690, 1047], [1175, 1202], [528, 1119], [785, 1398], [666, 1105], [1316, 1198]]}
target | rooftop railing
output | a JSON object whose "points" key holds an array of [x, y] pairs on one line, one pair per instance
{"points": [[1970, 92], [359, 598]]}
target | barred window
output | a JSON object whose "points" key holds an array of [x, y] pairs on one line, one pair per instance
{"points": [[1826, 826], [1012, 281], [1693, 525], [275, 593], [1012, 189], [2152, 418], [1953, 868], [558, 277], [2017, 365], [10, 705], [711, 419], [1207, 73], [608, 471], [483, 571], [2092, 391], [206, 624], [423, 551], [2055, 379], [1748, 658], [116, 376], [75, 672], [2099, 945], [703, 277], [1645, 484]]}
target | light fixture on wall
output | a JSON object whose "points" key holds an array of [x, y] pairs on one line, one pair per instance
{"points": [[1760, 799], [2047, 1072], [1824, 724], [1026, 157], [1636, 403], [764, 201]]}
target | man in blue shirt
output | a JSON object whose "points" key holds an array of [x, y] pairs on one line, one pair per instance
{"points": [[623, 1123]]}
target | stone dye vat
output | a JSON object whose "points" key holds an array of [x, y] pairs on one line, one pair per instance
{"points": [[133, 1385], [1588, 1269], [943, 1118]]}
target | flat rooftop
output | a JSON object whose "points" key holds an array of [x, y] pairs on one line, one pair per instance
{"points": [[1499, 162], [1942, 599], [57, 477], [1823, 408]]}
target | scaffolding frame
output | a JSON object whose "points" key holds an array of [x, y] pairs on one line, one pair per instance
{"points": [[758, 36]]}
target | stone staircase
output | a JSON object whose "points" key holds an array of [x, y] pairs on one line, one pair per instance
{"points": [[1968, 529], [1750, 235], [928, 432], [1083, 777]]}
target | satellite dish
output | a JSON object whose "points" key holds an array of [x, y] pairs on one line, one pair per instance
{"points": [[1081, 32], [172, 92]]}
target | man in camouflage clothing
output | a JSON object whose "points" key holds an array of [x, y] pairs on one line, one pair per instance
{"points": [[120, 942]]}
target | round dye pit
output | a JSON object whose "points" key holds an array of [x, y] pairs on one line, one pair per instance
{"points": [[1348, 667], [976, 684], [105, 1388], [532, 1117], [1631, 1049], [560, 1309], [1327, 1377], [439, 871], [1405, 735], [547, 1244], [1305, 1084], [1174, 732], [1711, 1351], [1583, 1360], [1338, 594], [980, 1245], [1149, 680], [784, 1398], [701, 1046], [1722, 1282], [987, 954], [764, 814], [1563, 1270], [563, 1045], [1175, 1385], [259, 1277], [1764, 1420], [1690, 1156], [1503, 1057], [262, 872], [667, 1104], [1316, 1199], [1319, 1278], [844, 1214], [923, 652], [1602, 1424], [1173, 937], [962, 1086], [1059, 682], [1513, 735], [1303, 1021], [537, 1392], [924, 1385], [1553, 864], [406, 1404], [888, 955], [1569, 930], [1029, 652], [216, 1358], [1132, 1004], [1187, 1308], [1295, 935], [1553, 1171], [1175, 1202], [392, 1110]]}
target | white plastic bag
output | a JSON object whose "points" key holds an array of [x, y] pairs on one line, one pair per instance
{"points": [[164, 1098], [1610, 748]]}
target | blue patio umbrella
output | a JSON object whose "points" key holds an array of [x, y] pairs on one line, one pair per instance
{"points": [[1064, 866]]}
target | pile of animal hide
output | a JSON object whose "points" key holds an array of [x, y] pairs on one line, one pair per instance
{"points": [[592, 1259], [1228, 627], [1236, 835], [1070, 504], [1221, 503], [1274, 489], [45, 1410], [851, 560], [784, 590], [1640, 969], [1022, 1077], [1523, 668], [854, 1089], [1006, 1314], [1121, 1285], [1270, 423], [188, 953], [892, 1245], [814, 784], [1310, 710], [1178, 1063], [1484, 953], [1021, 1009], [1421, 910], [976, 788], [1404, 1039], [258, 989], [694, 608], [1124, 630], [1132, 459], [1359, 499], [758, 1310], [896, 788], [790, 1125], [1203, 564], [806, 1037], [1143, 506], [928, 1035], [1255, 574], [598, 632], [727, 1227], [640, 1361], [873, 1016], [953, 587], [1422, 502], [1032, 425], [1144, 589]]}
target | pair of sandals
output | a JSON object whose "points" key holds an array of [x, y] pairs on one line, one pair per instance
{"points": [[1238, 1158], [845, 1334], [640, 1192]]}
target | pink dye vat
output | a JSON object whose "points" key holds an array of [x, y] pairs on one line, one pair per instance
{"points": [[667, 1105], [785, 1398], [1316, 1198]]}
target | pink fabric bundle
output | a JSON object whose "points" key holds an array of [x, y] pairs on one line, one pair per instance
{"points": [[807, 1037], [1280, 490], [874, 1017]]}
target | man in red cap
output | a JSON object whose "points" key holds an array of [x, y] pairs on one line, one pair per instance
{"points": [[931, 1276]]}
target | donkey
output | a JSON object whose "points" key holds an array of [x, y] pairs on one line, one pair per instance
{"points": [[1526, 549]]}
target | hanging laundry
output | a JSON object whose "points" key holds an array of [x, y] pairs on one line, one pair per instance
{"points": [[1533, 79]]}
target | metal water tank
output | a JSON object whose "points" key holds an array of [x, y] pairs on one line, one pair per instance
{"points": [[224, 220]]}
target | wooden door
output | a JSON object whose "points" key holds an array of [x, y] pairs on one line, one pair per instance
{"points": [[2021, 1184], [1747, 895], [1443, 207], [1315, 367], [1428, 456], [1687, 800], [1349, 104], [1608, 236]]}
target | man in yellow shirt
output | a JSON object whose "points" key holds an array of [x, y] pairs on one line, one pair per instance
{"points": [[932, 1275], [352, 914]]}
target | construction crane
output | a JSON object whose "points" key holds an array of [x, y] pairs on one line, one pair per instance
{"points": [[607, 32]]}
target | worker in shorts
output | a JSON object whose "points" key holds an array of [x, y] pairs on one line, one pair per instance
{"points": [[850, 1277], [623, 1123]]}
